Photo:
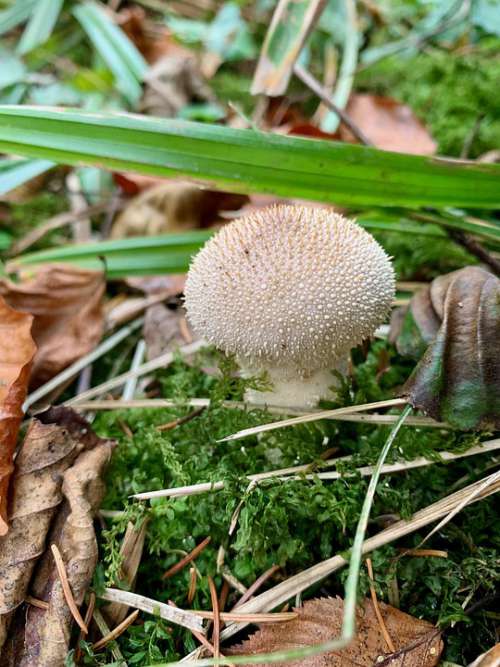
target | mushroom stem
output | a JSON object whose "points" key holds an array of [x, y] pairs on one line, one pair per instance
{"points": [[295, 390]]}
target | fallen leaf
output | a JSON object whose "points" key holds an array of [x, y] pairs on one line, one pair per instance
{"points": [[173, 206], [455, 323], [152, 40], [17, 349], [40, 637], [53, 441], [489, 659], [172, 83], [418, 643], [165, 329], [388, 124], [66, 303]]}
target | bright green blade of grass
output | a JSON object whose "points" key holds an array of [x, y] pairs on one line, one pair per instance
{"points": [[147, 255], [16, 171], [247, 161], [115, 48], [40, 25], [17, 13]]}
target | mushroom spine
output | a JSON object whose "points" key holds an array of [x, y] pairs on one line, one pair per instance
{"points": [[290, 290]]}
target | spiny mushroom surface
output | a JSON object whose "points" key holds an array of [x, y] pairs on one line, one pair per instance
{"points": [[290, 290]]}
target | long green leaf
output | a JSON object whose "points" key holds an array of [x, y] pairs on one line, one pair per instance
{"points": [[247, 161], [40, 25], [147, 255], [115, 48], [17, 13], [16, 171]]}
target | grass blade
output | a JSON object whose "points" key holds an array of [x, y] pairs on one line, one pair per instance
{"points": [[115, 48], [40, 25], [247, 161], [147, 255], [15, 172], [17, 13]]}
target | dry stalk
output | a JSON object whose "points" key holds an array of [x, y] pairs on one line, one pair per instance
{"points": [[116, 632], [68, 595], [187, 559], [378, 613], [300, 472]]}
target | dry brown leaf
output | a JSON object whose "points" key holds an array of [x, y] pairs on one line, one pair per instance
{"points": [[66, 303], [388, 124], [152, 40], [44, 639], [418, 643], [173, 206], [53, 441], [489, 659], [173, 82], [166, 329], [454, 326], [17, 349]]}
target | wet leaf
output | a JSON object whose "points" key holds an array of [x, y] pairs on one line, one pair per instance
{"points": [[388, 124], [53, 441], [17, 349], [66, 303], [417, 643], [458, 378]]}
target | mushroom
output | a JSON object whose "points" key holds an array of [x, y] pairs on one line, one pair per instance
{"points": [[290, 290]]}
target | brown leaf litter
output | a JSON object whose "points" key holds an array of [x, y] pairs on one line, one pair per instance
{"points": [[417, 643], [17, 350], [454, 326], [173, 206], [66, 303], [388, 124], [57, 484]]}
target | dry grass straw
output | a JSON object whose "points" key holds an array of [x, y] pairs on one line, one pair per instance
{"points": [[302, 472]]}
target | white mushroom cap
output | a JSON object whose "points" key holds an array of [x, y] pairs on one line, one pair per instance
{"points": [[289, 287]]}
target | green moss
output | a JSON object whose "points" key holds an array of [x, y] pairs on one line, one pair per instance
{"points": [[449, 93], [293, 524]]}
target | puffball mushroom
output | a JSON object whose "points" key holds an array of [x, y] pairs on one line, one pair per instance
{"points": [[290, 290]]}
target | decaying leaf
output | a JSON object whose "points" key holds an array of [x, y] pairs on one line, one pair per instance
{"points": [[489, 659], [66, 303], [173, 206], [52, 443], [171, 84], [17, 349], [40, 637], [388, 124], [165, 329], [458, 378], [417, 643]]}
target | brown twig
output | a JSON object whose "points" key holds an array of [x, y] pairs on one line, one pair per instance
{"points": [[475, 248], [256, 585], [187, 559], [216, 614], [35, 602], [378, 613], [199, 636], [116, 632], [432, 553], [316, 87], [192, 585], [68, 595], [181, 420], [88, 617], [237, 617]]}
